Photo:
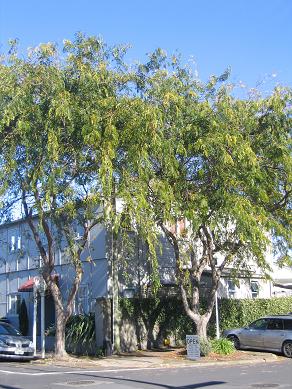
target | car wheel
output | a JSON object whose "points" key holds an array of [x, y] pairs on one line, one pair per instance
{"points": [[287, 348], [235, 341]]}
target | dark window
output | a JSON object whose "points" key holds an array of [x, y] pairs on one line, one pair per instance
{"points": [[275, 324], [288, 324], [259, 324], [254, 286]]}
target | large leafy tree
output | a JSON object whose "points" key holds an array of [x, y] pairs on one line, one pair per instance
{"points": [[57, 143], [220, 169]]}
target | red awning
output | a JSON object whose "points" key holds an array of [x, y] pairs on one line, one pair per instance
{"points": [[29, 284]]}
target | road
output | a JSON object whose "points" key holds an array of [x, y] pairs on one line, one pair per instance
{"points": [[253, 376]]}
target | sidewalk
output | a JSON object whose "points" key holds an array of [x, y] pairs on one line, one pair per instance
{"points": [[157, 359]]}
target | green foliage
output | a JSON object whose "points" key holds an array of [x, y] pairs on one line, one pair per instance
{"points": [[222, 346], [166, 313], [23, 318], [80, 129], [79, 335], [169, 316], [238, 313], [80, 329], [205, 347]]}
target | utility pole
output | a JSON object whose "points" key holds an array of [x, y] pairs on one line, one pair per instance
{"points": [[115, 279]]}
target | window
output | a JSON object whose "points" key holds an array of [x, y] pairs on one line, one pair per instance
{"points": [[260, 324], [15, 244], [288, 324], [14, 303], [275, 324], [12, 244], [81, 304], [19, 243], [254, 286], [230, 288], [40, 262]]}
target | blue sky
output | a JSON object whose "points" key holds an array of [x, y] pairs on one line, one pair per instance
{"points": [[253, 37]]}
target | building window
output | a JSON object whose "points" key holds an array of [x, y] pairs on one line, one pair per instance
{"points": [[254, 286], [81, 303], [12, 244], [230, 289], [14, 303], [19, 243]]}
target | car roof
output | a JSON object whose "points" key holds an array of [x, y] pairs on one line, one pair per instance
{"points": [[284, 316]]}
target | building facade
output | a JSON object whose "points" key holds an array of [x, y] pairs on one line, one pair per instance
{"points": [[20, 262]]}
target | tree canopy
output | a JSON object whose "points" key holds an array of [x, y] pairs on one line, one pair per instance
{"points": [[81, 128]]}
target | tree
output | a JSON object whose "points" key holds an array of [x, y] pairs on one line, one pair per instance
{"points": [[57, 142], [221, 167]]}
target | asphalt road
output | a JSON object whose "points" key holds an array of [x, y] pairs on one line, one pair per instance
{"points": [[254, 376]]}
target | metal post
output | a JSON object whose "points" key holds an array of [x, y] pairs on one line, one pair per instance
{"points": [[43, 323], [217, 316], [34, 328]]}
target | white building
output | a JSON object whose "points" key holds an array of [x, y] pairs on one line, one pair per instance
{"points": [[20, 262]]}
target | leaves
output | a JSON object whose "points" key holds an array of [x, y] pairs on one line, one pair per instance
{"points": [[81, 129]]}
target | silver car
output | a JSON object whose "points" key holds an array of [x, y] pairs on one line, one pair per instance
{"points": [[13, 345], [273, 333]]}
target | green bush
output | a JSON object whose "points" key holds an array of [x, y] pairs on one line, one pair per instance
{"points": [[167, 313], [238, 313], [80, 329], [205, 347], [222, 346], [79, 335]]}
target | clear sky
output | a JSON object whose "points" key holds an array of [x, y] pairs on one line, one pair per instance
{"points": [[253, 37]]}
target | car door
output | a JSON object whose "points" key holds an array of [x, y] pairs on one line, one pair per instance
{"points": [[274, 334], [253, 335]]}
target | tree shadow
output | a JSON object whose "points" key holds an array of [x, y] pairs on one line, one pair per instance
{"points": [[164, 386]]}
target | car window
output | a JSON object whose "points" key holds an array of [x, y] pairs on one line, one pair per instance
{"points": [[7, 329], [288, 324], [275, 324], [259, 324]]}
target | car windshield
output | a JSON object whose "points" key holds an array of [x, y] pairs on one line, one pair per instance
{"points": [[7, 329]]}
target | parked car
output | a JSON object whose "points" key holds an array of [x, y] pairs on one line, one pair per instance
{"points": [[13, 345], [272, 333]]}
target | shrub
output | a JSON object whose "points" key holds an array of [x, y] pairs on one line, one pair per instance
{"points": [[222, 346], [238, 313], [80, 329], [205, 347], [79, 335]]}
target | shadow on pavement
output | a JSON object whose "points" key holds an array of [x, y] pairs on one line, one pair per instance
{"points": [[191, 386]]}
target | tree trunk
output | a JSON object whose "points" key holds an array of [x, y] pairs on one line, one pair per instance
{"points": [[60, 351], [201, 325], [150, 336]]}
